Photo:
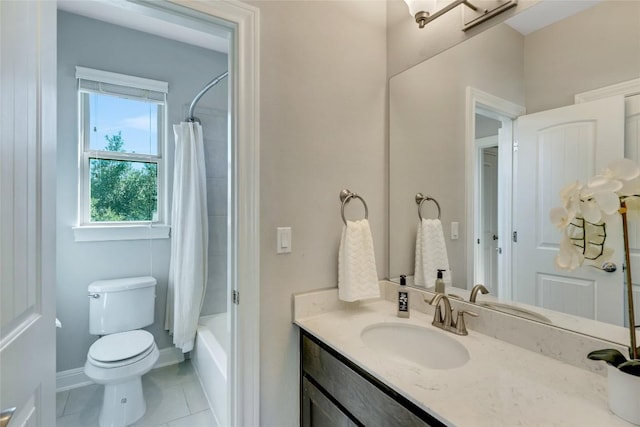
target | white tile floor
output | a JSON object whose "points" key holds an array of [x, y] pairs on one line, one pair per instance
{"points": [[173, 394]]}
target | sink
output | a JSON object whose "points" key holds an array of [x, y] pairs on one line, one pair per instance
{"points": [[518, 311], [429, 348]]}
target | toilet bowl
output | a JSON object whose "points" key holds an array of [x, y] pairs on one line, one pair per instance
{"points": [[118, 308], [118, 361]]}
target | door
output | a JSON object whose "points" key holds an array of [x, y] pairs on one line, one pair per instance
{"points": [[554, 148], [632, 151], [27, 206], [490, 217], [317, 410]]}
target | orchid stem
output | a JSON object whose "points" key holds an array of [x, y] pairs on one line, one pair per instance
{"points": [[632, 321]]}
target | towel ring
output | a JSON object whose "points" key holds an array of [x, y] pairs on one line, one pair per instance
{"points": [[345, 197], [420, 199]]}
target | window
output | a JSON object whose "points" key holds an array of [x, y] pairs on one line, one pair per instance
{"points": [[121, 132]]}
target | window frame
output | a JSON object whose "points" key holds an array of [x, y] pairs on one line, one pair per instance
{"points": [[115, 80]]}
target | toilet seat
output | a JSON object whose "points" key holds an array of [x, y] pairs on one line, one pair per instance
{"points": [[121, 349]]}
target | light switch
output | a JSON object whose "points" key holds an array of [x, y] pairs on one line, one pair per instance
{"points": [[455, 230], [283, 244]]}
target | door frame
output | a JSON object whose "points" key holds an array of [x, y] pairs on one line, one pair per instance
{"points": [[244, 255], [481, 145], [505, 111], [244, 259]]}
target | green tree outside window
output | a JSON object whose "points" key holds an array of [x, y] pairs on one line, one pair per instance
{"points": [[122, 190]]}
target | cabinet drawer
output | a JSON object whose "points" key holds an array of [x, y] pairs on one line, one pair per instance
{"points": [[365, 398], [319, 411]]}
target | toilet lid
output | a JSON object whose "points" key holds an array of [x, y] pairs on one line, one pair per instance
{"points": [[120, 346]]}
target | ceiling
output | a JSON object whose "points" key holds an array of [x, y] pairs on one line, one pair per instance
{"points": [[547, 12], [158, 23]]}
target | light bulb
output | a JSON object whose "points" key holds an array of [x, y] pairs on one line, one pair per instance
{"points": [[416, 6]]}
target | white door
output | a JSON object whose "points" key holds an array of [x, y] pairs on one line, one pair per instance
{"points": [[554, 148], [490, 218], [27, 206], [632, 151]]}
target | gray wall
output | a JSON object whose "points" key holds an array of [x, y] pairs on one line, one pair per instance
{"points": [[95, 44], [323, 114], [427, 137], [408, 45], [570, 57]]}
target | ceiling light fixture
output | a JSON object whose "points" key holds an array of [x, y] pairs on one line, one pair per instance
{"points": [[425, 11]]}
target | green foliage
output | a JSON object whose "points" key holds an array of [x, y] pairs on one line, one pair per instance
{"points": [[631, 367], [616, 359], [122, 190], [611, 356]]}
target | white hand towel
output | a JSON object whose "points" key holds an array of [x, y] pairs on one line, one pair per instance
{"points": [[431, 254], [357, 274]]}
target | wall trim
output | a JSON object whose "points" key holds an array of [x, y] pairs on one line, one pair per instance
{"points": [[169, 356], [502, 108], [70, 379], [628, 88], [75, 378], [244, 256]]}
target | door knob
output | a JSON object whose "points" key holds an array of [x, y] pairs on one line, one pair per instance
{"points": [[609, 267], [5, 416]]}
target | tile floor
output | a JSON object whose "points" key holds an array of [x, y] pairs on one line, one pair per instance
{"points": [[173, 394]]}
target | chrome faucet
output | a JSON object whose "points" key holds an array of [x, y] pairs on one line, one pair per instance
{"points": [[446, 322], [438, 320], [474, 292]]}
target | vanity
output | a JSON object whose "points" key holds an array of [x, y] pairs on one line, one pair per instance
{"points": [[347, 380], [457, 125]]}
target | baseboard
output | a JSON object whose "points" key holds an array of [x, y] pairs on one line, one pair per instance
{"points": [[169, 356], [74, 378], [70, 379]]}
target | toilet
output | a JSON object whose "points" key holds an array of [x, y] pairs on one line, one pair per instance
{"points": [[118, 308]]}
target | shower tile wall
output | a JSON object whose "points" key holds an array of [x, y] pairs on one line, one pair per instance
{"points": [[214, 124]]}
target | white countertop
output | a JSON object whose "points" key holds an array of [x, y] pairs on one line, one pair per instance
{"points": [[501, 384]]}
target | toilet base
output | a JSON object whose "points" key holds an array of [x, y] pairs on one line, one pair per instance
{"points": [[123, 403]]}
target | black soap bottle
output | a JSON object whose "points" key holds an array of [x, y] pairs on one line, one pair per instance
{"points": [[440, 282], [403, 298]]}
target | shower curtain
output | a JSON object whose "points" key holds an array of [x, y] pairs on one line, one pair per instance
{"points": [[189, 237]]}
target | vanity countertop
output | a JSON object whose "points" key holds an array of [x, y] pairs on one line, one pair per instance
{"points": [[501, 384]]}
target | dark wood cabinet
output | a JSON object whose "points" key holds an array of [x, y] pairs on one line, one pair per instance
{"points": [[336, 392], [319, 411]]}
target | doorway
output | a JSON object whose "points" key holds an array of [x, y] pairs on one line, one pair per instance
{"points": [[486, 132], [240, 22], [488, 157]]}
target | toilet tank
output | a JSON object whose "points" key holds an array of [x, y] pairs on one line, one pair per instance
{"points": [[120, 305]]}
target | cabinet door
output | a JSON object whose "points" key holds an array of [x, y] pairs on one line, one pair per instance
{"points": [[319, 411]]}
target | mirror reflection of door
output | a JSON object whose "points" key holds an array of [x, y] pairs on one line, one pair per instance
{"points": [[632, 151], [556, 147], [487, 264], [490, 215]]}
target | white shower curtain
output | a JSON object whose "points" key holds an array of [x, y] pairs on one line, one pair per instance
{"points": [[189, 236]]}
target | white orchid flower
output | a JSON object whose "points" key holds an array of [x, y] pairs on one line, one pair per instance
{"points": [[586, 208], [630, 187], [598, 204], [561, 217], [622, 169], [569, 256], [633, 207]]}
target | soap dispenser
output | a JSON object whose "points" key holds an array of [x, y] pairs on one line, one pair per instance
{"points": [[440, 282], [403, 298]]}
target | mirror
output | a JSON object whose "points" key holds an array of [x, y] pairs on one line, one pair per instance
{"points": [[502, 72]]}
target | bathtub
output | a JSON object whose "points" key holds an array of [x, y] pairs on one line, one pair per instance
{"points": [[209, 358]]}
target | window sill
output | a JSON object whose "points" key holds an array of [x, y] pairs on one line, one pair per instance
{"points": [[100, 233]]}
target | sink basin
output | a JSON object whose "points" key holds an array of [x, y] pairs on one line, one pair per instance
{"points": [[518, 311], [426, 347]]}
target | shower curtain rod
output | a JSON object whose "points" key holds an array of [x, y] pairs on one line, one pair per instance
{"points": [[209, 85]]}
